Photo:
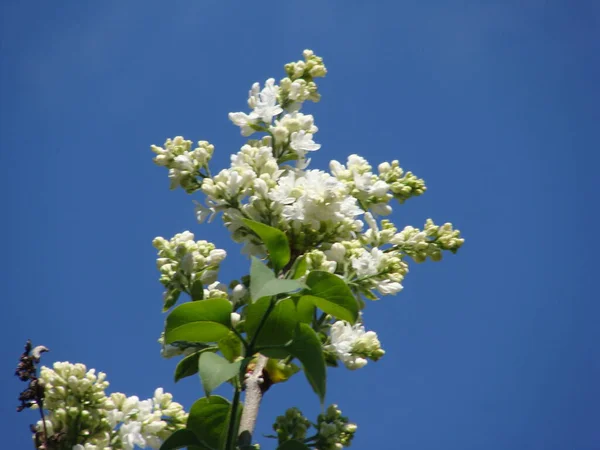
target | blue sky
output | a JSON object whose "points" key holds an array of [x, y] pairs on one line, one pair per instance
{"points": [[494, 104]]}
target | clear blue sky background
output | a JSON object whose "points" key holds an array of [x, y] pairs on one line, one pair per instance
{"points": [[495, 104]]}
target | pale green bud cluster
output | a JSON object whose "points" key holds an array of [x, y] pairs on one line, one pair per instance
{"points": [[311, 67], [429, 243], [78, 408], [293, 93], [299, 86], [335, 430], [403, 185], [368, 346], [317, 260], [185, 165], [291, 426], [186, 265], [75, 399]]}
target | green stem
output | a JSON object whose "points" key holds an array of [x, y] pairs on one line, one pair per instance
{"points": [[232, 430], [241, 338], [41, 408], [263, 320]]}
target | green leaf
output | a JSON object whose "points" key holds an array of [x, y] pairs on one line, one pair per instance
{"points": [[278, 328], [299, 267], [307, 348], [259, 276], [330, 293], [171, 298], [181, 439], [275, 240], [188, 366], [197, 290], [230, 346], [305, 309], [208, 419], [215, 370], [277, 286], [293, 445], [264, 284], [279, 371], [204, 321]]}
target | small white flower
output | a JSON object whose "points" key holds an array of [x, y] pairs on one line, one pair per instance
{"points": [[336, 253], [302, 142], [203, 213], [244, 121], [266, 106], [216, 256], [131, 435], [238, 293]]}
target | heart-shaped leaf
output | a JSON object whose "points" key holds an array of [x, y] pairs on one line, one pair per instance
{"points": [[188, 366], [264, 284], [203, 321], [230, 346], [275, 241], [278, 328], [306, 346], [259, 276], [208, 420], [293, 445], [182, 439], [331, 294], [215, 370]]}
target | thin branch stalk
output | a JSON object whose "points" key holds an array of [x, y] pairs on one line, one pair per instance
{"points": [[253, 399]]}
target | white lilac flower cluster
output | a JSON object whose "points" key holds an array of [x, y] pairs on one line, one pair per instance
{"points": [[185, 165], [352, 345], [322, 213], [77, 405], [334, 431], [186, 265]]}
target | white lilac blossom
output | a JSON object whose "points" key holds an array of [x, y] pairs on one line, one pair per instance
{"points": [[184, 164], [264, 104], [185, 264], [316, 199], [302, 142], [76, 403], [321, 213], [352, 345], [379, 270], [316, 210], [371, 192]]}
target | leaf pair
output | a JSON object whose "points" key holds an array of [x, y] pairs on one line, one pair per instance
{"points": [[282, 335]]}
